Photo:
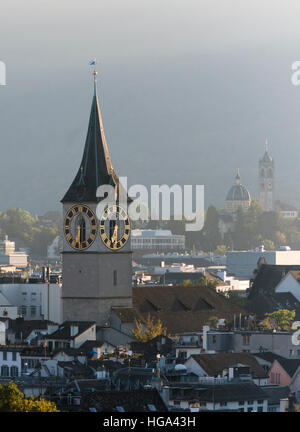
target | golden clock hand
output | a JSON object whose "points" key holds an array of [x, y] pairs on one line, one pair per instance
{"points": [[114, 237], [78, 234]]}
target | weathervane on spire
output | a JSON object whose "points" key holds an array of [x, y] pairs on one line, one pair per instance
{"points": [[93, 63]]}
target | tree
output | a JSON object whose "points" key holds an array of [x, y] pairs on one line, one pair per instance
{"points": [[13, 400], [280, 319], [210, 236], [213, 321], [236, 299], [268, 244], [221, 250], [152, 329]]}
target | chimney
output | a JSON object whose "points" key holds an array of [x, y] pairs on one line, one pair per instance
{"points": [[205, 331]]}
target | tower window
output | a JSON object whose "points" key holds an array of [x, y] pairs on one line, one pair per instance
{"points": [[262, 173], [115, 277], [270, 173]]}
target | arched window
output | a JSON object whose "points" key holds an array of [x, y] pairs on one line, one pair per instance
{"points": [[80, 229], [4, 371], [262, 172], [14, 371]]}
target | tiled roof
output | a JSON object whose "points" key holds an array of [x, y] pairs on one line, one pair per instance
{"points": [[214, 364], [199, 305]]}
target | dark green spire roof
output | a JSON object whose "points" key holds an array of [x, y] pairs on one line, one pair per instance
{"points": [[95, 168]]}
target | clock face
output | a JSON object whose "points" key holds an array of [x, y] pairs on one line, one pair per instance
{"points": [[114, 227], [80, 227]]}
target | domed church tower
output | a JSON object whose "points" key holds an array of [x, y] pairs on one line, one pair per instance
{"points": [[238, 196], [266, 180]]}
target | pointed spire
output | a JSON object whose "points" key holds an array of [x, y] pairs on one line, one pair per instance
{"points": [[95, 168], [238, 177], [267, 145]]}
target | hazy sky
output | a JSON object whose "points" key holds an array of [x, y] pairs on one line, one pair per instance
{"points": [[189, 90]]}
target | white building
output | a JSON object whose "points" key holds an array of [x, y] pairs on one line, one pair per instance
{"points": [[10, 361], [9, 256], [241, 264], [156, 240], [34, 301]]}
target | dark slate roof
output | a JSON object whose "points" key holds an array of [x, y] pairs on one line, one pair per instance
{"points": [[95, 168], [131, 401], [214, 364], [262, 304], [183, 308], [232, 392], [275, 393], [262, 296], [289, 365], [268, 356], [77, 368], [268, 277], [25, 327], [64, 330], [90, 344]]}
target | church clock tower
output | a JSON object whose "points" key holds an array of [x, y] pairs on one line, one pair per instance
{"points": [[266, 180], [97, 258]]}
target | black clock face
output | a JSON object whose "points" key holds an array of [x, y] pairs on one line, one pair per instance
{"points": [[80, 227], [114, 227]]}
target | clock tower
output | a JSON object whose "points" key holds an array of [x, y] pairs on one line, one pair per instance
{"points": [[266, 180], [97, 257]]}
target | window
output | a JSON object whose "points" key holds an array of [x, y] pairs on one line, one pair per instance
{"points": [[250, 402], [115, 277], [260, 409], [32, 310], [214, 339], [260, 402], [14, 372], [14, 356], [250, 409], [176, 402], [4, 371], [222, 404], [23, 310], [241, 403], [4, 355], [277, 378]]}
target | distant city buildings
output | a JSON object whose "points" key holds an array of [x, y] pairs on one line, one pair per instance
{"points": [[10, 257], [156, 240]]}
